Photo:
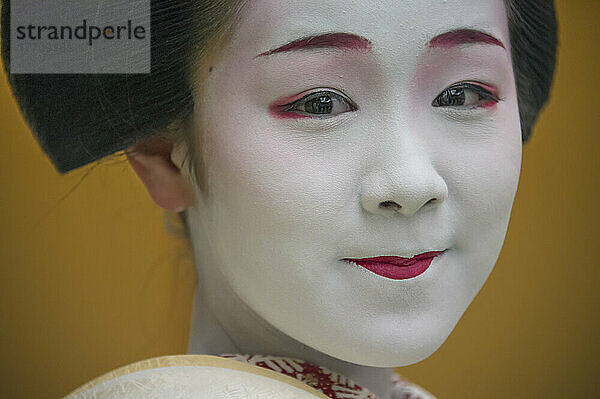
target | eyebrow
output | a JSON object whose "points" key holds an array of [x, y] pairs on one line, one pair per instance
{"points": [[464, 36], [348, 41]]}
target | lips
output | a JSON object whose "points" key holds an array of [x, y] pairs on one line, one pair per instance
{"points": [[395, 267]]}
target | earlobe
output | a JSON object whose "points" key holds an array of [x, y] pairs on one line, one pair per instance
{"points": [[164, 180]]}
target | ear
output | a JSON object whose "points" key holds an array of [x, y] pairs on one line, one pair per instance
{"points": [[166, 181]]}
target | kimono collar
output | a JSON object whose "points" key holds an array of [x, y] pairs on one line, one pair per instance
{"points": [[331, 384]]}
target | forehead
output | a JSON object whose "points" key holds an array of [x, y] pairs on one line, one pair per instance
{"points": [[390, 25]]}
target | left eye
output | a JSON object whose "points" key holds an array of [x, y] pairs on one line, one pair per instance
{"points": [[320, 103], [466, 95]]}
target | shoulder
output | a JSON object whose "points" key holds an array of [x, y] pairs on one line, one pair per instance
{"points": [[193, 376], [404, 389]]}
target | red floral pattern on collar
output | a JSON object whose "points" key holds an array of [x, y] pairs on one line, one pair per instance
{"points": [[331, 384]]}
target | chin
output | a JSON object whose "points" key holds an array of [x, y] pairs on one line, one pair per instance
{"points": [[402, 354], [369, 347], [393, 355]]}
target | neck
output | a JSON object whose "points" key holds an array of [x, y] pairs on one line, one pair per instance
{"points": [[223, 323]]}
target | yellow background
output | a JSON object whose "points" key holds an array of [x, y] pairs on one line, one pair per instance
{"points": [[90, 280]]}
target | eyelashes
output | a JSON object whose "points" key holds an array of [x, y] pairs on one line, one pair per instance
{"points": [[467, 95], [323, 103], [320, 103]]}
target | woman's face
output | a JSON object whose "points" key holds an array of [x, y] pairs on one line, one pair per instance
{"points": [[396, 136]]}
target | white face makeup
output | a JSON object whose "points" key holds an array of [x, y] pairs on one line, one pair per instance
{"points": [[381, 142]]}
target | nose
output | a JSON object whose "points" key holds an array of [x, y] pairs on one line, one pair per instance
{"points": [[402, 182]]}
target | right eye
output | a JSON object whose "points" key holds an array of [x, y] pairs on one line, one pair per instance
{"points": [[317, 103]]}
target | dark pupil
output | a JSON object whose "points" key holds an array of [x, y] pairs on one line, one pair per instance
{"points": [[319, 105], [452, 97]]}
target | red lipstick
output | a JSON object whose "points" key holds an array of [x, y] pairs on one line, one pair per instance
{"points": [[395, 267]]}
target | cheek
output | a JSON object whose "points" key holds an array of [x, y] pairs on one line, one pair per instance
{"points": [[265, 177], [482, 178]]}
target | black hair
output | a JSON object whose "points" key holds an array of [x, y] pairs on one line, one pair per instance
{"points": [[533, 33], [79, 118]]}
